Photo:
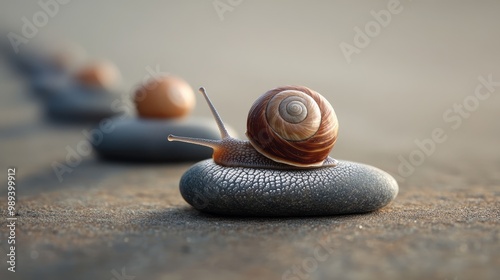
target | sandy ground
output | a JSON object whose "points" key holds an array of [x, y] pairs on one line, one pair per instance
{"points": [[106, 220]]}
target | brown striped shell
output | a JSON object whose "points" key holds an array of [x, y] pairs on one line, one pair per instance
{"points": [[293, 125]]}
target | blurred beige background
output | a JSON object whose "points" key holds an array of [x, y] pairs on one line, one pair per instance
{"points": [[423, 64], [394, 91]]}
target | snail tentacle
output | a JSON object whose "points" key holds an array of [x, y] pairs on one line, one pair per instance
{"points": [[214, 144], [197, 141], [223, 131]]}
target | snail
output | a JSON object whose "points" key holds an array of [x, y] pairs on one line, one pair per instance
{"points": [[288, 128], [284, 169], [164, 97]]}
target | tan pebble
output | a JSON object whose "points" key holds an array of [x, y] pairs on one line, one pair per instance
{"points": [[164, 97]]}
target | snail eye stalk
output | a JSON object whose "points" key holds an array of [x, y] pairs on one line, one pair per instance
{"points": [[205, 142]]}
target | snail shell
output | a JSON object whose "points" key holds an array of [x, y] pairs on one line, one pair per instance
{"points": [[293, 125], [102, 74], [164, 97]]}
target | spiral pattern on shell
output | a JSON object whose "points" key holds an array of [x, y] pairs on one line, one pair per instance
{"points": [[293, 125]]}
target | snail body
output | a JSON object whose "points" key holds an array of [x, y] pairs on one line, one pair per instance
{"points": [[251, 178]]}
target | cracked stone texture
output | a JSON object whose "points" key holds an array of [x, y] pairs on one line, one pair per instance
{"points": [[104, 219], [347, 188]]}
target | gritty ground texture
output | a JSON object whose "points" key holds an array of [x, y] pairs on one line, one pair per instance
{"points": [[106, 219], [110, 220]]}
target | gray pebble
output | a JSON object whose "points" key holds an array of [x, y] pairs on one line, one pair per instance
{"points": [[81, 106], [28, 63], [138, 139], [345, 189], [52, 84]]}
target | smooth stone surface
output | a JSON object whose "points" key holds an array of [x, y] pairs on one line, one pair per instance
{"points": [[51, 84], [79, 105], [67, 100], [345, 189], [137, 139], [28, 63]]}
